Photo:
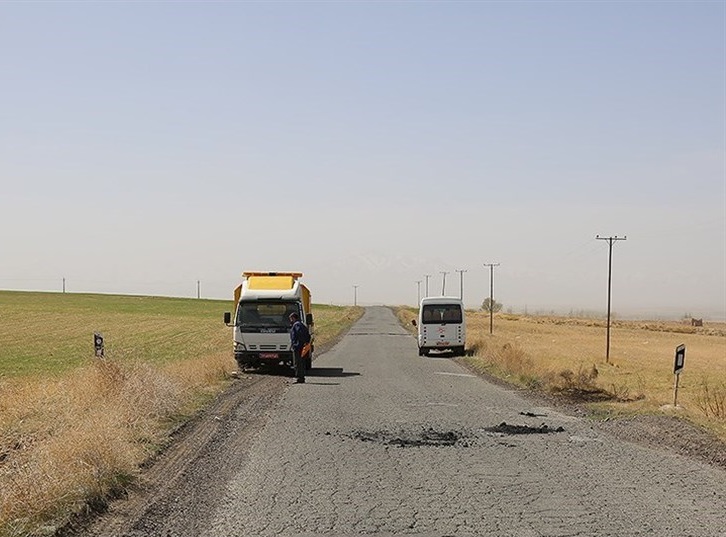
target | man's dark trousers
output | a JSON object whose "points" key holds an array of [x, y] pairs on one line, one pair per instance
{"points": [[299, 363]]}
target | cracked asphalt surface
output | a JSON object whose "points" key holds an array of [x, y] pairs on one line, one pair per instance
{"points": [[381, 441]]}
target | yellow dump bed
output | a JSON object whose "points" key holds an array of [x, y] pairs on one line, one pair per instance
{"points": [[305, 298], [273, 281]]}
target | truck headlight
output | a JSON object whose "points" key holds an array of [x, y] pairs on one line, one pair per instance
{"points": [[239, 346]]}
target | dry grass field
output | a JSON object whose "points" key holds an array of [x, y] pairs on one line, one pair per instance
{"points": [[567, 357], [74, 429]]}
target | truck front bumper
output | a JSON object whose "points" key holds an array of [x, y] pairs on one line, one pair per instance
{"points": [[254, 358]]}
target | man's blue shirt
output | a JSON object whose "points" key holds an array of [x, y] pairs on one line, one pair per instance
{"points": [[299, 335]]}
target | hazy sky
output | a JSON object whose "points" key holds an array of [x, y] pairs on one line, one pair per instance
{"points": [[145, 146]]}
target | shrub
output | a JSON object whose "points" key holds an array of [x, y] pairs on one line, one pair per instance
{"points": [[711, 400]]}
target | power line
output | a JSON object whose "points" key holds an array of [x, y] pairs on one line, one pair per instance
{"points": [[581, 250]]}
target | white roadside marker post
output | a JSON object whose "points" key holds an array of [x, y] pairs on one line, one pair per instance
{"points": [[677, 367]]}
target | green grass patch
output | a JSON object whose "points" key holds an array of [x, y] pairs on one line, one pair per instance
{"points": [[51, 333]]}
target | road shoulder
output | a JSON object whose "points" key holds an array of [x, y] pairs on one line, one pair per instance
{"points": [[661, 432]]}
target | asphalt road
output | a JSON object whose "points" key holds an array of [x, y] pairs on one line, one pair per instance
{"points": [[381, 441]]}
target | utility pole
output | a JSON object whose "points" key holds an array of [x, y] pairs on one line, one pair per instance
{"points": [[64, 285], [199, 294], [461, 283], [355, 295], [418, 293], [443, 283], [427, 276], [610, 240], [491, 295]]}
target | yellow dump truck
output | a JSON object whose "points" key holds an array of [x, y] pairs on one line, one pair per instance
{"points": [[260, 324]]}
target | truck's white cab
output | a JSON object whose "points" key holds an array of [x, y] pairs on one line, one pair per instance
{"points": [[260, 322], [441, 325]]}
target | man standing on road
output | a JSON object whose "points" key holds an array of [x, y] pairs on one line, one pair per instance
{"points": [[299, 337]]}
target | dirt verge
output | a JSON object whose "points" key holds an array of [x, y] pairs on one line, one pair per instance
{"points": [[669, 433], [181, 487]]}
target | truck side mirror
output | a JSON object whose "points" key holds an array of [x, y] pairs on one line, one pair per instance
{"points": [[227, 317], [309, 319], [413, 322]]}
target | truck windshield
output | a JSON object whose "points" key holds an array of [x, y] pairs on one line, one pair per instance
{"points": [[261, 314], [441, 313]]}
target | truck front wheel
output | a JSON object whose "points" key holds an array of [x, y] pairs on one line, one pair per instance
{"points": [[245, 365], [246, 361]]}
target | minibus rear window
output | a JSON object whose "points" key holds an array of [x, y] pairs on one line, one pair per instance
{"points": [[441, 313]]}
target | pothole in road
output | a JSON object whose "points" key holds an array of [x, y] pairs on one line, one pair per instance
{"points": [[430, 437], [425, 437], [505, 428]]}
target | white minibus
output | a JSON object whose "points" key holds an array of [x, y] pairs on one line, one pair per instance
{"points": [[441, 325]]}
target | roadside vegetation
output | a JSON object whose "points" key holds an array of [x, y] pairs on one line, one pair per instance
{"points": [[74, 429], [566, 357]]}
